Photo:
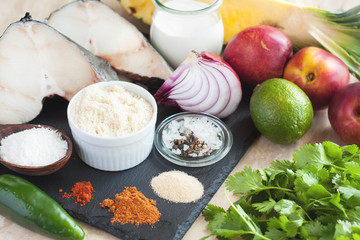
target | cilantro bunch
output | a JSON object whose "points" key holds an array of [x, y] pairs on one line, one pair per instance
{"points": [[315, 196]]}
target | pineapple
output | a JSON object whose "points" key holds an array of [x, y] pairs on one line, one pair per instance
{"points": [[141, 9], [240, 14], [339, 33]]}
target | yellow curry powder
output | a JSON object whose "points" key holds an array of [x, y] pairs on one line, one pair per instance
{"points": [[131, 206]]}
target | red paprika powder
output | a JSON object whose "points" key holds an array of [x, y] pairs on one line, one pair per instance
{"points": [[82, 191]]}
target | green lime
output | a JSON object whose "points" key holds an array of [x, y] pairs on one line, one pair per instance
{"points": [[280, 110]]}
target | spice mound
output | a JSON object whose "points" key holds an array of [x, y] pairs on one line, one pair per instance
{"points": [[192, 137], [82, 191], [33, 147], [110, 111], [131, 206], [177, 186]]}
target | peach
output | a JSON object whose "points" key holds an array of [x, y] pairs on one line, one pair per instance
{"points": [[258, 53]]}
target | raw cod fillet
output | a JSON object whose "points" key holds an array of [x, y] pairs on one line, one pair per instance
{"points": [[102, 31], [36, 61]]}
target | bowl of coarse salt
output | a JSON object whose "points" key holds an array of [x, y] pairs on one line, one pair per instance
{"points": [[113, 124], [33, 149], [193, 139]]}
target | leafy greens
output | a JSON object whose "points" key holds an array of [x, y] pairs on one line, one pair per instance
{"points": [[315, 196]]}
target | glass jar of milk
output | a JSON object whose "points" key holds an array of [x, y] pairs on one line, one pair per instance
{"points": [[180, 26]]}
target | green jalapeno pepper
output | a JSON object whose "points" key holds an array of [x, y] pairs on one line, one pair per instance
{"points": [[29, 206]]}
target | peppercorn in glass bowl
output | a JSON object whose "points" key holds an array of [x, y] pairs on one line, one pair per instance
{"points": [[193, 139]]}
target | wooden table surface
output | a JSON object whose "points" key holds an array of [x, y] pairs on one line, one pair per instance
{"points": [[259, 155]]}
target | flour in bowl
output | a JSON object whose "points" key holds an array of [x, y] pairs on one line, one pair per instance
{"points": [[110, 111]]}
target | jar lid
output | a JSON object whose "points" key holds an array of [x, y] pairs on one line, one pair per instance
{"points": [[210, 6]]}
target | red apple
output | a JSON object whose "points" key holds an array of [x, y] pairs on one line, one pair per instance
{"points": [[344, 113], [318, 73], [258, 54]]}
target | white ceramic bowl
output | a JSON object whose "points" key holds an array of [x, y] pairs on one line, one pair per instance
{"points": [[115, 153]]}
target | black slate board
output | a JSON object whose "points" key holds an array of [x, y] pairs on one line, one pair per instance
{"points": [[176, 218]]}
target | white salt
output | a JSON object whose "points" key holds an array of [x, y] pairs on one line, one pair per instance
{"points": [[176, 151], [33, 147], [201, 127]]}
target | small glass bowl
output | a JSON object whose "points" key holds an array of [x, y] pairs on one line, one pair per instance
{"points": [[197, 161]]}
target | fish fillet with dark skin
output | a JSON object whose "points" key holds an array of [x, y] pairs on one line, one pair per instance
{"points": [[36, 62], [102, 31]]}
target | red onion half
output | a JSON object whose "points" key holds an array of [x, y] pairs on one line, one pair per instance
{"points": [[204, 82]]}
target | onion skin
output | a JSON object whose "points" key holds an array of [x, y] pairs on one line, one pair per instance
{"points": [[204, 82]]}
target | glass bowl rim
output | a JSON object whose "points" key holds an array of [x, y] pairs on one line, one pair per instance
{"points": [[212, 158]]}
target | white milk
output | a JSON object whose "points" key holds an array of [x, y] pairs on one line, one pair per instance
{"points": [[176, 35]]}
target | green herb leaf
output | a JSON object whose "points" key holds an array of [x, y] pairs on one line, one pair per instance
{"points": [[265, 206], [353, 168], [244, 181], [317, 230], [283, 223], [305, 179], [279, 167], [287, 207], [332, 150], [350, 151], [346, 229], [354, 214], [281, 173], [311, 155], [210, 211], [314, 197], [351, 194], [274, 233], [336, 201]]}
